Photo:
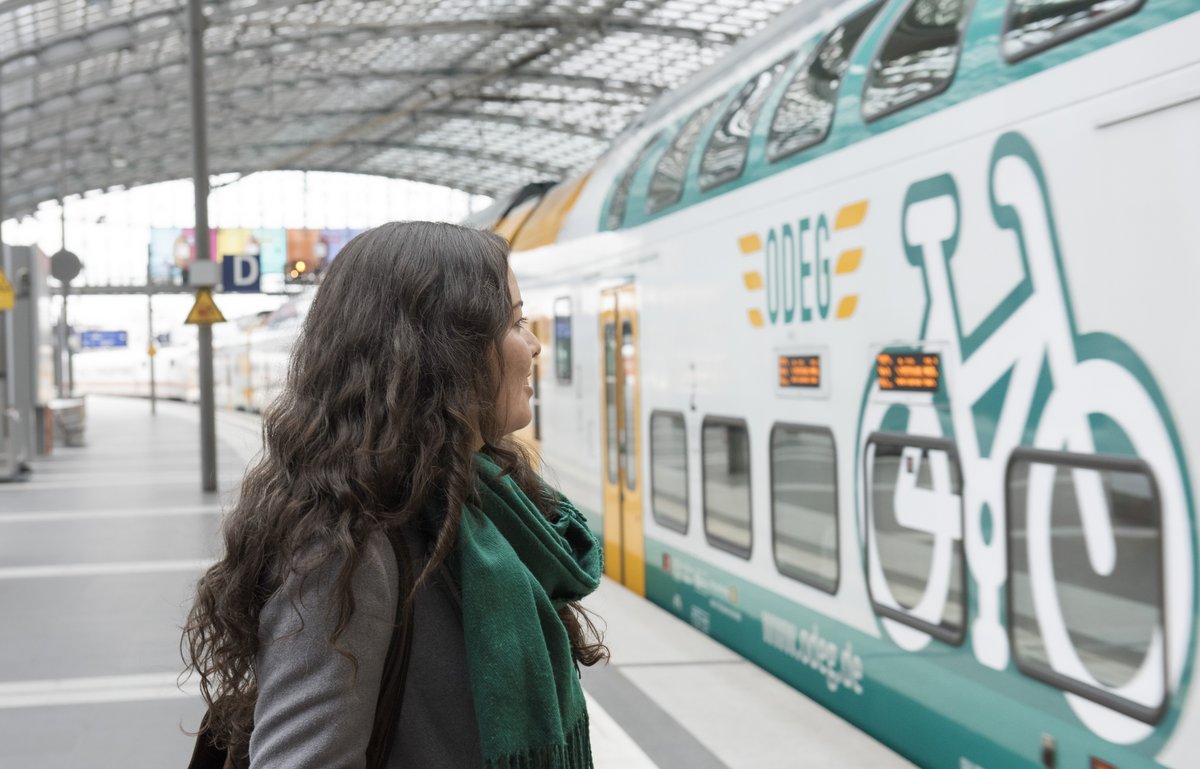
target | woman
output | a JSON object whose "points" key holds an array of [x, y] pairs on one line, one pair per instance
{"points": [[388, 481]]}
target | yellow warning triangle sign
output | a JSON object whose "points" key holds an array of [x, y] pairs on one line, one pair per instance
{"points": [[204, 311], [7, 300]]}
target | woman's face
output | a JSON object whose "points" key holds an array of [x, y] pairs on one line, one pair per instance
{"points": [[518, 349]]}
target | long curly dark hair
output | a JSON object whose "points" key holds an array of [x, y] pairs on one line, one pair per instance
{"points": [[387, 394]]}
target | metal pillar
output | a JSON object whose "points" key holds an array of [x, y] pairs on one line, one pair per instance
{"points": [[208, 431], [151, 350], [61, 349], [9, 439], [8, 460], [28, 285], [69, 371]]}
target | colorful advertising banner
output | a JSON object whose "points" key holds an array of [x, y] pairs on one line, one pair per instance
{"points": [[336, 240], [165, 266], [272, 245], [279, 252]]}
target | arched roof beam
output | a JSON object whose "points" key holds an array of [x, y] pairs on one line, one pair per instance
{"points": [[79, 167], [76, 47], [38, 114], [520, 122], [150, 170], [146, 138], [437, 149], [24, 205], [409, 104], [80, 45], [572, 24], [553, 126]]}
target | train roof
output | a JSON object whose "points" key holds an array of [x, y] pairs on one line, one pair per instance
{"points": [[740, 107]]}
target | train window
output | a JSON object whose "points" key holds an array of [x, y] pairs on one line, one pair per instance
{"points": [[562, 339], [620, 197], [725, 156], [1031, 26], [668, 470], [804, 504], [914, 533], [666, 186], [610, 400], [725, 445], [918, 58], [805, 114], [1086, 596]]}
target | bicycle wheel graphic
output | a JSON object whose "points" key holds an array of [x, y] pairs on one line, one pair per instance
{"points": [[911, 520], [1102, 392]]}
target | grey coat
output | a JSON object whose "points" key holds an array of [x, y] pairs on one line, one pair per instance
{"points": [[314, 712]]}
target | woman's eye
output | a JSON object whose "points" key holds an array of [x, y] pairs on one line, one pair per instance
{"points": [[521, 323]]}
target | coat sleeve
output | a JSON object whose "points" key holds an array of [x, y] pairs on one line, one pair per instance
{"points": [[314, 709]]}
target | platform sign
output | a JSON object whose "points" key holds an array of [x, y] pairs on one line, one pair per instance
{"points": [[103, 340], [241, 273], [204, 311], [7, 299], [909, 371], [799, 371]]}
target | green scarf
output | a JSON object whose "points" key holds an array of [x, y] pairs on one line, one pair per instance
{"points": [[515, 568]]}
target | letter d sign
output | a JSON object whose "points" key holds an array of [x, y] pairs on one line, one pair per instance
{"points": [[240, 273]]}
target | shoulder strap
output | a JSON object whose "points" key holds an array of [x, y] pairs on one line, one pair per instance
{"points": [[395, 667], [206, 755]]}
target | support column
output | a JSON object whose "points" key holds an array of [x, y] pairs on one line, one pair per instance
{"points": [[208, 432], [8, 442]]}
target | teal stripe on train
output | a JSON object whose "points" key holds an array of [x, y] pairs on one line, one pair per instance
{"points": [[926, 705]]}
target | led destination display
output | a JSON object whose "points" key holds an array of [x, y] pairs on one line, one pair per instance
{"points": [[911, 372], [799, 370]]}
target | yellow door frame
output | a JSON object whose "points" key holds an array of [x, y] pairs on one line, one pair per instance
{"points": [[624, 545]]}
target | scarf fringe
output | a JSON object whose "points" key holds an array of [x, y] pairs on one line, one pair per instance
{"points": [[575, 753]]}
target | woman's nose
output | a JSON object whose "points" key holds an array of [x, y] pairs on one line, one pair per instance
{"points": [[535, 344]]}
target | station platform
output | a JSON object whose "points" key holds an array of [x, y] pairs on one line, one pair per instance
{"points": [[101, 547]]}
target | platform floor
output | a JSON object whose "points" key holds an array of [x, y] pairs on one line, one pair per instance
{"points": [[99, 553]]}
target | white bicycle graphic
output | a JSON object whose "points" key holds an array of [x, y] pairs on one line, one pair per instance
{"points": [[1052, 381]]}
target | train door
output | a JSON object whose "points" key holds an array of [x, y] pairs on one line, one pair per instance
{"points": [[624, 548]]}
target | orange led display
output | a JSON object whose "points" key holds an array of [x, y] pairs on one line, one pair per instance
{"points": [[799, 370], [910, 372]]}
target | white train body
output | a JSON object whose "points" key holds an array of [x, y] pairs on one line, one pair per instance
{"points": [[1034, 241]]}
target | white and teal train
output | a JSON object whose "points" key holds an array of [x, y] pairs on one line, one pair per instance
{"points": [[872, 355]]}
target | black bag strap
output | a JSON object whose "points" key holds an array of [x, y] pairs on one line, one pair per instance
{"points": [[206, 755], [395, 667]]}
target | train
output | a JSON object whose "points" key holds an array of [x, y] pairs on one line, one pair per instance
{"points": [[867, 353], [250, 360]]}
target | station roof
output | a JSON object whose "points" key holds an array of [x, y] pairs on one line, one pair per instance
{"points": [[483, 96]]}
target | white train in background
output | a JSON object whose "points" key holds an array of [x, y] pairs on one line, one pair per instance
{"points": [[250, 357]]}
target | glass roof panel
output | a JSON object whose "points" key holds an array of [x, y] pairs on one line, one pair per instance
{"points": [[484, 95]]}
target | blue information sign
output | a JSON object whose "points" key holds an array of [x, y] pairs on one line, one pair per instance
{"points": [[241, 273], [95, 340]]}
